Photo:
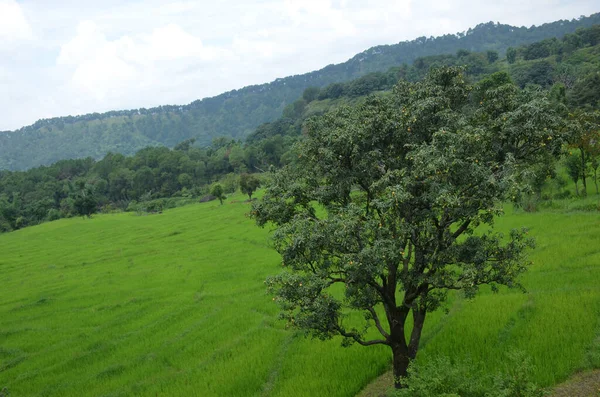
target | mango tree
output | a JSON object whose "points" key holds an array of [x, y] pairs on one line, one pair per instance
{"points": [[379, 215]]}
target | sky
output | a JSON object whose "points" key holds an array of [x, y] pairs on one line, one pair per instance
{"points": [[70, 57]]}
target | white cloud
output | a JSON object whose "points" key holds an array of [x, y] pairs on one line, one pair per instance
{"points": [[106, 69], [58, 59], [13, 25]]}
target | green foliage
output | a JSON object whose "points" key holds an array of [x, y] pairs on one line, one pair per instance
{"points": [[217, 191], [511, 55], [401, 178], [574, 168], [492, 56], [236, 114], [442, 377], [248, 184], [115, 180], [174, 304], [585, 92], [82, 187], [310, 94], [84, 202]]}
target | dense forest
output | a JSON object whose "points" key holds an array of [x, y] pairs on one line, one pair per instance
{"points": [[157, 177], [236, 114]]}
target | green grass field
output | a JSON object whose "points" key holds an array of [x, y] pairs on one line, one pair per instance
{"points": [[174, 304]]}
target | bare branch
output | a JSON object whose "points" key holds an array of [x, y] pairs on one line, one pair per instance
{"points": [[461, 229], [359, 340], [378, 323]]}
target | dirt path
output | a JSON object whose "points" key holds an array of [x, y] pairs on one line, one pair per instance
{"points": [[379, 387], [586, 384]]}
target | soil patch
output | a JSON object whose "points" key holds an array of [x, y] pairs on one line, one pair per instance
{"points": [[585, 384]]}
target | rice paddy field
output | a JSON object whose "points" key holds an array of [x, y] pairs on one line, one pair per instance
{"points": [[174, 304]]}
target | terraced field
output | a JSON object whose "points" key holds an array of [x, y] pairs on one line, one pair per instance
{"points": [[174, 304]]}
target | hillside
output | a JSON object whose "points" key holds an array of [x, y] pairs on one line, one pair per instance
{"points": [[237, 113], [567, 67], [198, 322]]}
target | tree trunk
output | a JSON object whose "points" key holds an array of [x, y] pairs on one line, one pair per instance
{"points": [[415, 336], [401, 360], [596, 179], [576, 189], [583, 172]]}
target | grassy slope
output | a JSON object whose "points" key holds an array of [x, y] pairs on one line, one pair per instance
{"points": [[174, 304], [162, 304]]}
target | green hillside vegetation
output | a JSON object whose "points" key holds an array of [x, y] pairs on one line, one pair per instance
{"points": [[162, 177], [128, 295], [144, 305], [237, 113]]}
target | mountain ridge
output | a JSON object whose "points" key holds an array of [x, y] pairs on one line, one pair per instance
{"points": [[237, 113]]}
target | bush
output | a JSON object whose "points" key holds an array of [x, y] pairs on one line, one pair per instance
{"points": [[563, 195], [516, 382], [53, 214], [441, 377]]}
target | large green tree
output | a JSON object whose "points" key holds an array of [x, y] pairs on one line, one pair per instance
{"points": [[380, 216]]}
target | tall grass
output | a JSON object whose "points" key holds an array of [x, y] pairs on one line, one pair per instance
{"points": [[174, 304]]}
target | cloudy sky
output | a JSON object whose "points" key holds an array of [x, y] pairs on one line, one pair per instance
{"points": [[67, 57]]}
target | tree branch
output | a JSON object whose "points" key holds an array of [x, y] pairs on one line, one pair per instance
{"points": [[461, 229], [359, 340], [378, 323]]}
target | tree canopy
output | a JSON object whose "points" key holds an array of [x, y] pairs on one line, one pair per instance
{"points": [[380, 216]]}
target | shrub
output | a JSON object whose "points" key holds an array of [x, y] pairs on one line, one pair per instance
{"points": [[442, 377]]}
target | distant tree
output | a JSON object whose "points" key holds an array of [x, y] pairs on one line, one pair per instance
{"points": [[594, 165], [84, 202], [332, 91], [584, 130], [379, 216], [540, 49], [248, 184], [185, 180], [573, 165], [230, 182], [217, 191], [310, 94], [558, 93], [185, 145], [236, 158], [511, 55], [492, 56], [462, 53], [585, 92]]}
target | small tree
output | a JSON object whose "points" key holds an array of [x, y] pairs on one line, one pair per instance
{"points": [[573, 164], [511, 55], [379, 216], [84, 201], [584, 135], [217, 191], [492, 56], [594, 164], [248, 184]]}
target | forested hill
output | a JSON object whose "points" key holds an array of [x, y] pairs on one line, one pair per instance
{"points": [[237, 113], [566, 70]]}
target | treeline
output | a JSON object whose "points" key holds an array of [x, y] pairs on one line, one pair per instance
{"points": [[571, 70], [237, 113], [117, 182]]}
